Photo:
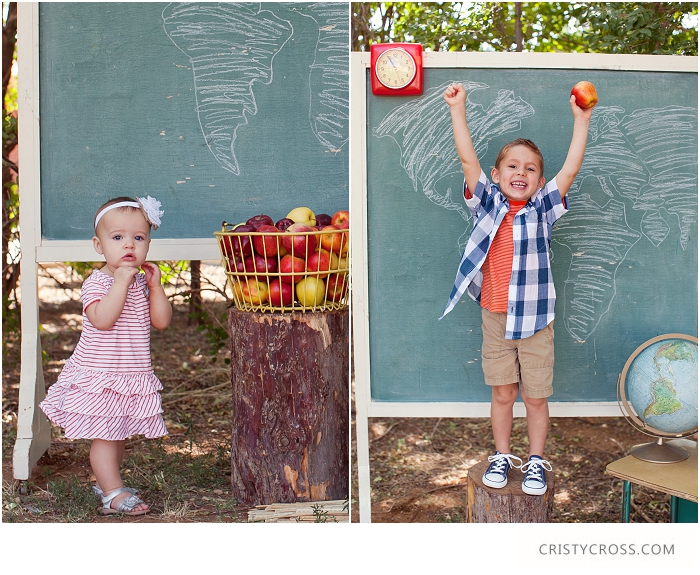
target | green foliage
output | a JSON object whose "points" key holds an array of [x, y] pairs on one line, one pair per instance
{"points": [[641, 27], [10, 316], [627, 27]]}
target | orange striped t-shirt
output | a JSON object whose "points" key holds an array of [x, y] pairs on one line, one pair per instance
{"points": [[498, 266]]}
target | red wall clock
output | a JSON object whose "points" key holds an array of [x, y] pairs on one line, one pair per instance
{"points": [[396, 69]]}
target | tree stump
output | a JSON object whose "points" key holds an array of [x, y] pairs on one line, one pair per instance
{"points": [[290, 376], [508, 504]]}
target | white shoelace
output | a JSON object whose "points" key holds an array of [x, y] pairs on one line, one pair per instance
{"points": [[533, 469], [502, 459]]}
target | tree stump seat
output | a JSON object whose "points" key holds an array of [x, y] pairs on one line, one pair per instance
{"points": [[508, 504]]}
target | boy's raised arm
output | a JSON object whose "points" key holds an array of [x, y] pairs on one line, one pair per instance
{"points": [[456, 97], [577, 148]]}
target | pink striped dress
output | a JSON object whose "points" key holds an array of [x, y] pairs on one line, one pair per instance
{"points": [[107, 388]]}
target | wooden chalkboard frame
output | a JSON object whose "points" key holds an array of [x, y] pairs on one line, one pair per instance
{"points": [[366, 407]]}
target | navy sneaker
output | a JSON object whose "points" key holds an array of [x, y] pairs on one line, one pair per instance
{"points": [[497, 473], [535, 482]]}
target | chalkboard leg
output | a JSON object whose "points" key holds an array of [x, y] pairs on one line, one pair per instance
{"points": [[626, 501], [364, 489], [33, 430]]}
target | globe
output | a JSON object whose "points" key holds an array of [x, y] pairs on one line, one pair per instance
{"points": [[658, 394]]}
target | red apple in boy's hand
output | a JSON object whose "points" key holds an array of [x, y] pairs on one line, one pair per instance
{"points": [[585, 94], [341, 219], [281, 294], [267, 245]]}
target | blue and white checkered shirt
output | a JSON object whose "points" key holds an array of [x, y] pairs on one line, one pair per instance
{"points": [[531, 293]]}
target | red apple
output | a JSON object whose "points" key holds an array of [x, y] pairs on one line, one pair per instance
{"points": [[293, 266], [341, 219], [298, 242], [586, 95], [257, 263], [260, 220], [337, 287], [319, 262], [283, 224], [323, 220], [235, 265], [251, 291], [281, 293], [331, 241], [267, 245], [238, 245]]}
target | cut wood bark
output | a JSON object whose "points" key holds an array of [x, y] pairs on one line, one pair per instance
{"points": [[290, 379], [508, 504], [318, 512]]}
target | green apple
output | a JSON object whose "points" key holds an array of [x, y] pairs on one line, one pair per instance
{"points": [[302, 215], [311, 291]]}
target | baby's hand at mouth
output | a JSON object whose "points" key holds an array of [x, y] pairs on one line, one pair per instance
{"points": [[125, 275]]}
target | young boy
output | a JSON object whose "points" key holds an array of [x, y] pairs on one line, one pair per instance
{"points": [[506, 269]]}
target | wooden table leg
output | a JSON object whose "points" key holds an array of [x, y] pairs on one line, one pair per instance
{"points": [[626, 500]]}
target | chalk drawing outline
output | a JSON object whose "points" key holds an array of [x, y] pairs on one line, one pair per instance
{"points": [[245, 39], [329, 113], [634, 158]]}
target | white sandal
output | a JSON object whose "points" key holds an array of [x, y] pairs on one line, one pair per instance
{"points": [[125, 506], [97, 491]]}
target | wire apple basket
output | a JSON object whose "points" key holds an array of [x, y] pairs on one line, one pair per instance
{"points": [[286, 271]]}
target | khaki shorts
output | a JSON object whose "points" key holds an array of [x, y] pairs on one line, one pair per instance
{"points": [[528, 361]]}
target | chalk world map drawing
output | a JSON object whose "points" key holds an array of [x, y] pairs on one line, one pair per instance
{"points": [[232, 46], [638, 180]]}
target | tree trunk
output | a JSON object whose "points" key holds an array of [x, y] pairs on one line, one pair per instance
{"points": [[290, 376], [195, 315], [518, 26], [508, 504]]}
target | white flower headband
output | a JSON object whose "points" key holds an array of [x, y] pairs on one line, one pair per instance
{"points": [[148, 205]]}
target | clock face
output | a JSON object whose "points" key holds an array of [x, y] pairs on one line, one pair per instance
{"points": [[395, 68]]}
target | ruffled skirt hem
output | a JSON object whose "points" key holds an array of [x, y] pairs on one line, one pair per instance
{"points": [[90, 404]]}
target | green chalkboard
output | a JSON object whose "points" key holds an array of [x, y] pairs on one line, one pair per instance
{"points": [[219, 110], [624, 258]]}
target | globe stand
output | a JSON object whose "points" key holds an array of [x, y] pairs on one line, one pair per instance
{"points": [[659, 452]]}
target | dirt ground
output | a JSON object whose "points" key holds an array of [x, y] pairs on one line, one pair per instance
{"points": [[418, 465]]}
